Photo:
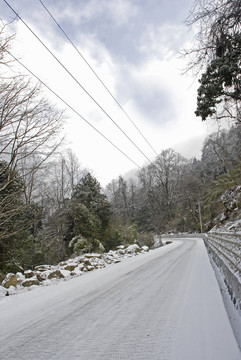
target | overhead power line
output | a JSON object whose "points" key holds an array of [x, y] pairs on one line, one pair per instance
{"points": [[72, 76], [71, 108], [101, 81]]}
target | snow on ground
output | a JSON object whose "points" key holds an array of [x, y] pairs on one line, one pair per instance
{"points": [[164, 305], [202, 325], [231, 226]]}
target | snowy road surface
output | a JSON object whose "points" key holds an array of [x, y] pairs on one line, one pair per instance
{"points": [[165, 304]]}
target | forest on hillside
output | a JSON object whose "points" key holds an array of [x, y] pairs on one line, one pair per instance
{"points": [[174, 194], [52, 208]]}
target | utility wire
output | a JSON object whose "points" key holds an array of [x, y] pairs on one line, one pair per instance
{"points": [[101, 81], [71, 108], [72, 76]]}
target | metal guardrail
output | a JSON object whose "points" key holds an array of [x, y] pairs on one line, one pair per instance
{"points": [[181, 235], [225, 250], [228, 247]]}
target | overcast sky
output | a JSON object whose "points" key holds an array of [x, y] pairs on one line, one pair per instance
{"points": [[133, 47]]}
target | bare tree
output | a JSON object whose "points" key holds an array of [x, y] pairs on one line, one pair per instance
{"points": [[28, 125], [160, 182], [65, 174], [29, 135], [5, 41], [213, 23], [220, 153], [73, 168]]}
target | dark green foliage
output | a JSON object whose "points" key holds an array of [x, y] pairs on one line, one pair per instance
{"points": [[20, 224], [26, 253], [89, 211], [84, 221], [221, 82], [120, 234], [113, 237], [216, 53], [80, 245], [144, 219]]}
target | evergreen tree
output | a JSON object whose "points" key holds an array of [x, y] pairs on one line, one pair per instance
{"points": [[89, 211], [216, 53]]}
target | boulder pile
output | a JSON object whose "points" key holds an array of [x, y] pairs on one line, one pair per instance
{"points": [[46, 274]]}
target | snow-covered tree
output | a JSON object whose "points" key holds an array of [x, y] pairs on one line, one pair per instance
{"points": [[216, 54], [89, 210]]}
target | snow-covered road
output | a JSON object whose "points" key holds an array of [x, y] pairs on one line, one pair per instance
{"points": [[165, 304]]}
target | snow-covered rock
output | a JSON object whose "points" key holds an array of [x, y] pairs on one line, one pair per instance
{"points": [[3, 291], [77, 266], [232, 198], [43, 267], [231, 226], [93, 255], [145, 248], [66, 273], [30, 282], [90, 267], [133, 249], [41, 276], [234, 226], [20, 277], [28, 274], [76, 272], [10, 280], [70, 266], [56, 274]]}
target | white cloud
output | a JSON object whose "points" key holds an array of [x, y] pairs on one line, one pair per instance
{"points": [[118, 11], [121, 11], [163, 41], [158, 99]]}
